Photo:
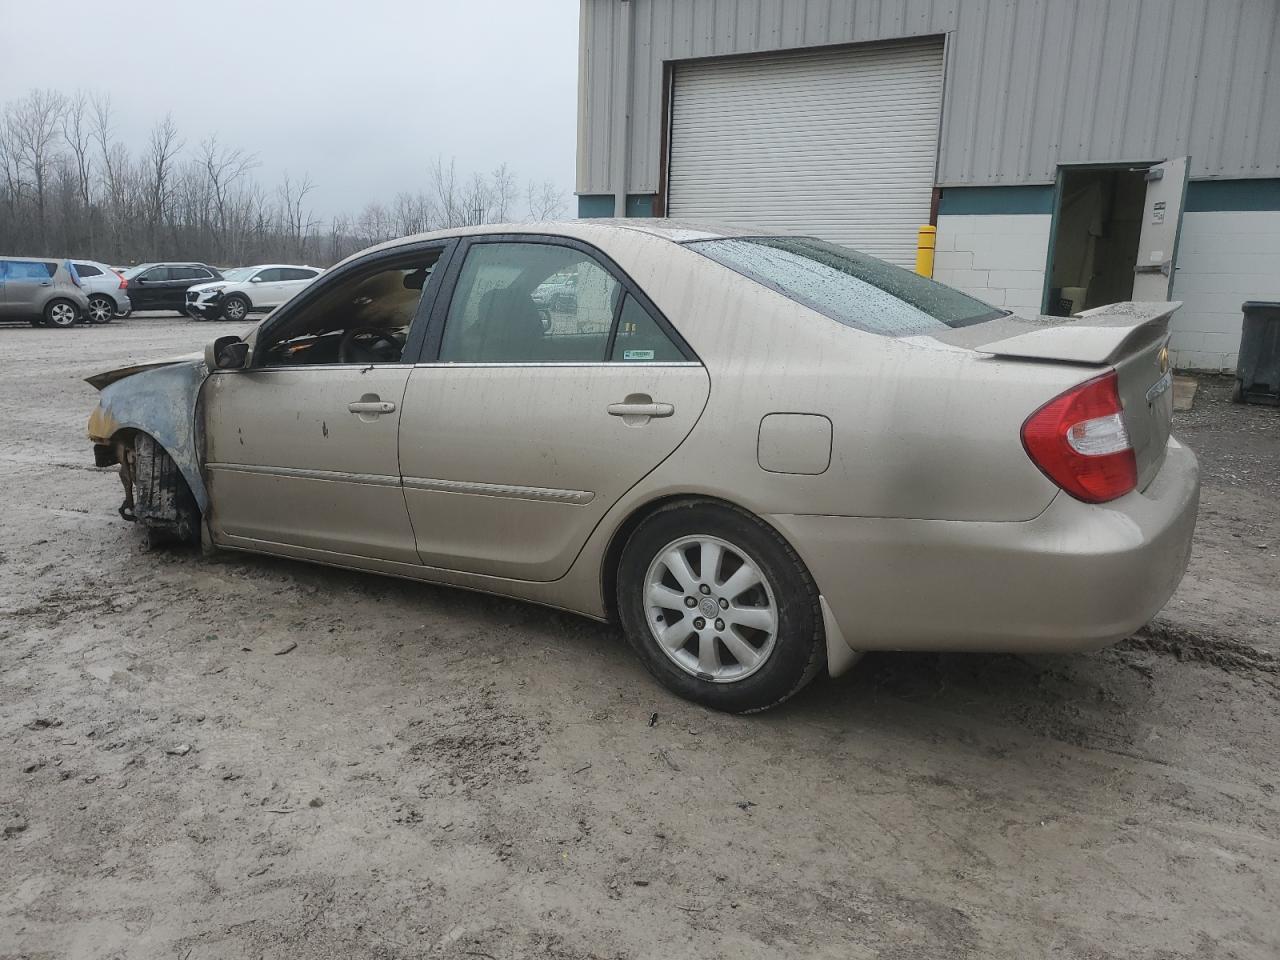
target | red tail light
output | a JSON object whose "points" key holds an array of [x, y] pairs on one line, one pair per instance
{"points": [[1079, 441], [124, 284]]}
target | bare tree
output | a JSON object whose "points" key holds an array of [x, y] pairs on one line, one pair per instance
{"points": [[68, 185], [76, 133], [502, 193], [33, 127], [162, 150], [545, 200], [448, 199], [298, 223], [224, 167]]}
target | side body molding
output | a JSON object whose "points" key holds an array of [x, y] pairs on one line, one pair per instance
{"points": [[161, 402]]}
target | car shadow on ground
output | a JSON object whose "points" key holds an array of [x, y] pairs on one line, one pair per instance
{"points": [[1096, 699]]}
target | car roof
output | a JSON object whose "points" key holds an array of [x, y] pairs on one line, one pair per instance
{"points": [[677, 231]]}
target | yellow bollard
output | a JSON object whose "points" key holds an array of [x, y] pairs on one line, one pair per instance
{"points": [[926, 240]]}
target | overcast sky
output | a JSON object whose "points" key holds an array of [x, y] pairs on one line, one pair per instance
{"points": [[360, 94]]}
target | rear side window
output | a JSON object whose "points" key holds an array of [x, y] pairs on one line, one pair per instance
{"points": [[847, 286], [271, 275], [30, 270], [296, 273], [156, 274], [87, 270], [640, 339], [187, 273], [529, 303]]}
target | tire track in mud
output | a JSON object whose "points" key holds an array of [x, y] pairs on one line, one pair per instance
{"points": [[1227, 654]]}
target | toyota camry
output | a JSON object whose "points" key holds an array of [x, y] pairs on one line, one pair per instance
{"points": [[762, 455]]}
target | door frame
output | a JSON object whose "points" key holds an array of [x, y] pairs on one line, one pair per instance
{"points": [[443, 298], [1064, 168], [371, 262]]}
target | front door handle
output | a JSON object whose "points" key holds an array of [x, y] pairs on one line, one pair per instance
{"points": [[639, 408], [369, 407]]}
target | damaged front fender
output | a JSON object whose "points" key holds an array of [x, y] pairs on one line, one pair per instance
{"points": [[159, 401]]}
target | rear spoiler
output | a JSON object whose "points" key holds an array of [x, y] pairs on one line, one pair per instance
{"points": [[1098, 336]]}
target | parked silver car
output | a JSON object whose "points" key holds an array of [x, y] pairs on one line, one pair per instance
{"points": [[763, 455], [107, 290], [41, 290]]}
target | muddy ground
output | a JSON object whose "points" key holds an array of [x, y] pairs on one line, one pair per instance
{"points": [[430, 773]]}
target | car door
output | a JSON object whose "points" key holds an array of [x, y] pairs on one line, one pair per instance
{"points": [[294, 280], [526, 424], [264, 288], [301, 446], [147, 290], [180, 278], [25, 286]]}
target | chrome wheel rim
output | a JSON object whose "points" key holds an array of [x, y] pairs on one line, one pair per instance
{"points": [[234, 310], [62, 314], [710, 609], [100, 310]]}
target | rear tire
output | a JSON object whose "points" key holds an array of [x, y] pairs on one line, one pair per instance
{"points": [[61, 313], [102, 309], [740, 636]]}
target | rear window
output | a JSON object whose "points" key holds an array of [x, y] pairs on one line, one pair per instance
{"points": [[847, 286]]}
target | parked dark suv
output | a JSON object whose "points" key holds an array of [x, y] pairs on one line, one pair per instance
{"points": [[163, 286]]}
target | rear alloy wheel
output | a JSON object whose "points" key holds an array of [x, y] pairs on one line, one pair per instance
{"points": [[60, 313], [235, 308], [101, 309], [719, 607]]}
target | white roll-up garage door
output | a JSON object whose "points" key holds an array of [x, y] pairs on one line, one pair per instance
{"points": [[837, 144]]}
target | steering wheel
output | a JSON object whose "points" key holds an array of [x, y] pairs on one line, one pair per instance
{"points": [[368, 345]]}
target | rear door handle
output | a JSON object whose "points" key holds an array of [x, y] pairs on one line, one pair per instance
{"points": [[638, 409], [641, 409]]}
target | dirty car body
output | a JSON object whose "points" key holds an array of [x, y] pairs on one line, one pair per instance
{"points": [[762, 454]]}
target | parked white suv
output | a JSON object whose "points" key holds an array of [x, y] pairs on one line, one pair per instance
{"points": [[245, 290]]}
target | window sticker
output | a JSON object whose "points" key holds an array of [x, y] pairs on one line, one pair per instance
{"points": [[637, 354]]}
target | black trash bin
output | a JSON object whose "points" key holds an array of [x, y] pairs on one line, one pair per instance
{"points": [[1258, 369]]}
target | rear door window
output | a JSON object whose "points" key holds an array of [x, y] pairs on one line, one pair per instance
{"points": [[529, 303], [30, 270], [850, 287], [270, 275]]}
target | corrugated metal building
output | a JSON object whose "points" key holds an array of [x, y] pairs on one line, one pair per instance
{"points": [[1034, 133]]}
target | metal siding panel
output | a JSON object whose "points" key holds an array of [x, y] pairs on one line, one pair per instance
{"points": [[1198, 77], [837, 143]]}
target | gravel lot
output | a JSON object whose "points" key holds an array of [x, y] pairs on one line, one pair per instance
{"points": [[439, 774]]}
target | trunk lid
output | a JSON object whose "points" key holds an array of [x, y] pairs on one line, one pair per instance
{"points": [[1131, 337]]}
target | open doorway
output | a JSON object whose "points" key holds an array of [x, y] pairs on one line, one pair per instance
{"points": [[1096, 234]]}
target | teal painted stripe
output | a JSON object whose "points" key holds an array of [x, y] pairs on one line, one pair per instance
{"points": [[601, 205], [597, 205], [1208, 196], [640, 205], [1027, 198]]}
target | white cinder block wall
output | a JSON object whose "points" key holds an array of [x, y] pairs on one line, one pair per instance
{"points": [[999, 258], [1224, 259]]}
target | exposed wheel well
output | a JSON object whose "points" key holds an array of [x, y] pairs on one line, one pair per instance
{"points": [[613, 553]]}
